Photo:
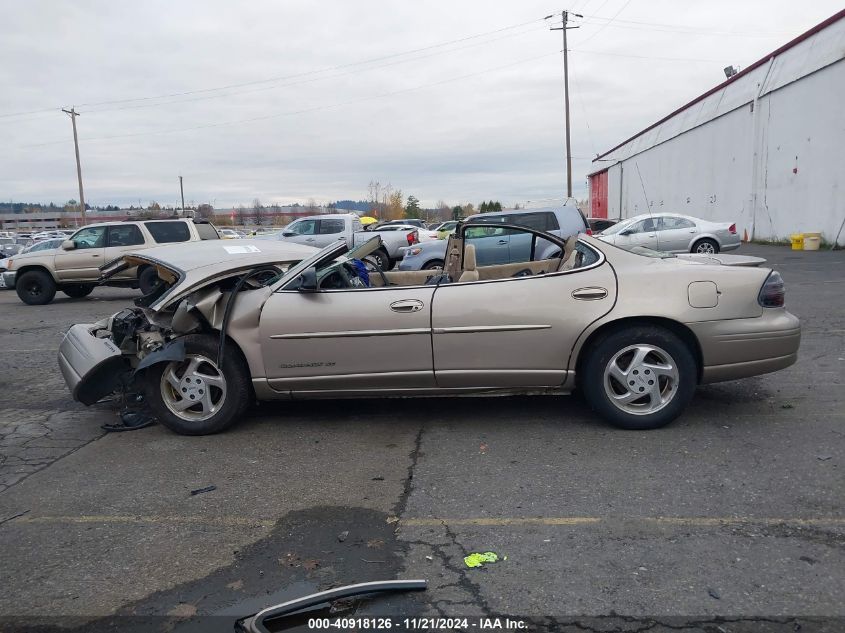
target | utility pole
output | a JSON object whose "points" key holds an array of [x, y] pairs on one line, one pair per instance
{"points": [[564, 28], [73, 114], [182, 193]]}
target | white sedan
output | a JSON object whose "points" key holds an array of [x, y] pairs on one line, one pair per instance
{"points": [[673, 233]]}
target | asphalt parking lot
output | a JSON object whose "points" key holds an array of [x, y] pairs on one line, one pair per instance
{"points": [[736, 510]]}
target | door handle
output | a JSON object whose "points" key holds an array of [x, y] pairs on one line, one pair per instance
{"points": [[589, 294], [407, 305], [503, 241], [309, 239]]}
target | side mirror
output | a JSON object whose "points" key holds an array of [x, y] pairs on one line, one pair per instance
{"points": [[68, 245], [626, 232], [288, 233], [308, 280]]}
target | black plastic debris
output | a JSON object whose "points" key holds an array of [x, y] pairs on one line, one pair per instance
{"points": [[199, 491]]}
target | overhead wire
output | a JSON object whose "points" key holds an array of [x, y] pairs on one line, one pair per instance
{"points": [[312, 79], [608, 23], [304, 110], [281, 77]]}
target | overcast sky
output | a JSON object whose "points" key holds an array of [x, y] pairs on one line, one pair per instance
{"points": [[320, 98]]}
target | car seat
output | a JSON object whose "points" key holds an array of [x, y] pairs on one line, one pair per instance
{"points": [[469, 266]]}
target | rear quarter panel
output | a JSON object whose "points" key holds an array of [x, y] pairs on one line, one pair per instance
{"points": [[659, 288]]}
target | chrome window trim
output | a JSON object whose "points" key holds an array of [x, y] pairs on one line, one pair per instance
{"points": [[602, 258]]}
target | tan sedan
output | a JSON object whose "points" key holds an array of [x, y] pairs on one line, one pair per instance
{"points": [[232, 322]]}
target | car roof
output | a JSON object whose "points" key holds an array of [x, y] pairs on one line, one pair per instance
{"points": [[327, 216], [129, 221], [523, 211]]}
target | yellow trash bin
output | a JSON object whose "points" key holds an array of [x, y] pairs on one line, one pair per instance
{"points": [[797, 241], [811, 242]]}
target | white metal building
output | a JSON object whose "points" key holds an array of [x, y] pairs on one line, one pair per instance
{"points": [[765, 149]]}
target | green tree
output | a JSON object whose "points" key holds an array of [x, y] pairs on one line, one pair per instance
{"points": [[457, 212], [483, 208], [412, 207]]}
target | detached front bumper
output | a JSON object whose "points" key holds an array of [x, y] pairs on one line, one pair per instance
{"points": [[9, 278], [92, 367]]}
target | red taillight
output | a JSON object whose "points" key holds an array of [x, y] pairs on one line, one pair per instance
{"points": [[412, 238], [732, 229], [772, 294]]}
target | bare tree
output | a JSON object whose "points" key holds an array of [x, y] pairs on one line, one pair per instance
{"points": [[374, 196], [258, 212], [205, 211], [240, 215], [312, 208]]}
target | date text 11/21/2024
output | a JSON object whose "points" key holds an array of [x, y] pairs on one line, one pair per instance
{"points": [[418, 624]]}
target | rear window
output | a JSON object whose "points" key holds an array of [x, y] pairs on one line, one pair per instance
{"points": [[207, 231], [165, 232], [545, 221], [540, 221], [330, 227], [125, 235]]}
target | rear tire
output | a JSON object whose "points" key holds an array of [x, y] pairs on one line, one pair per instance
{"points": [[382, 258], [193, 396], [35, 288], [640, 377], [705, 246], [434, 264], [77, 291]]}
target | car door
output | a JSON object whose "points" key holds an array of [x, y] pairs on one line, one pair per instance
{"points": [[492, 244], [347, 340], [329, 230], [675, 234], [302, 232], [120, 239], [517, 331], [642, 233], [83, 261]]}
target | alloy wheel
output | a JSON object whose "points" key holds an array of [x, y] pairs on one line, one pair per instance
{"points": [[193, 389], [641, 379]]}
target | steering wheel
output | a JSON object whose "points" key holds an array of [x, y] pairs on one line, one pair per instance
{"points": [[373, 264]]}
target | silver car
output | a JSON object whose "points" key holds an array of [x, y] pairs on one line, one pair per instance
{"points": [[500, 246], [673, 233], [231, 323]]}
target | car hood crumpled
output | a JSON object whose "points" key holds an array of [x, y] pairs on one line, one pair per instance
{"points": [[187, 265]]}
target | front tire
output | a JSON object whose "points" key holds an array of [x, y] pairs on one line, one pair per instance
{"points": [[194, 396], [705, 246], [36, 288], [78, 291], [434, 264], [641, 377]]}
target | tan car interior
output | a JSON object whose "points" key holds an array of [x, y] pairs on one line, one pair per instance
{"points": [[467, 270]]}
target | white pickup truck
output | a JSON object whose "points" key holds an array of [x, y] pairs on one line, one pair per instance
{"points": [[322, 230]]}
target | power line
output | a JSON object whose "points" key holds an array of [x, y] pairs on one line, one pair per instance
{"points": [[604, 26], [284, 77], [649, 57], [305, 110], [309, 80], [675, 28]]}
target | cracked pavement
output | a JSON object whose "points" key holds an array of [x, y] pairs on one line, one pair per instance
{"points": [[731, 519]]}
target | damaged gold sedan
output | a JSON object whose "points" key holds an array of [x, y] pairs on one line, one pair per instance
{"points": [[231, 323]]}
